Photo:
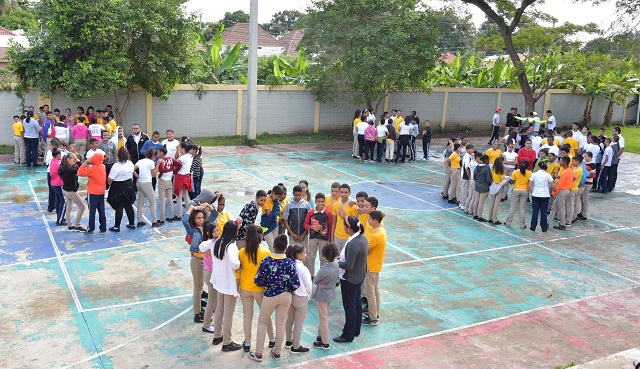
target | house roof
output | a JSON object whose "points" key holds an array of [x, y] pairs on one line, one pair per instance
{"points": [[291, 40], [6, 32], [239, 32]]}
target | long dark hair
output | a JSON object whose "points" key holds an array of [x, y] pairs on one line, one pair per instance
{"points": [[357, 114], [523, 167], [498, 166], [208, 227], [253, 242], [229, 233], [64, 165], [353, 224], [308, 192]]}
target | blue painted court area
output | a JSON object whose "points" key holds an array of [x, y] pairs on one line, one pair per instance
{"points": [[123, 300]]}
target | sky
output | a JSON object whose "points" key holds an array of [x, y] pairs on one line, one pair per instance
{"points": [[564, 10]]}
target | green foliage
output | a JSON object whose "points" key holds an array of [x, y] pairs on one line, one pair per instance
{"points": [[364, 61], [8, 6], [457, 32], [209, 30], [238, 16], [218, 66], [283, 22], [566, 366], [20, 19], [273, 139], [101, 47], [619, 45]]}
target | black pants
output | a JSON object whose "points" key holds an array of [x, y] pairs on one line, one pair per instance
{"points": [[351, 294], [381, 147], [360, 145], [412, 147], [96, 202], [107, 168], [51, 204], [425, 148], [495, 134], [369, 150], [403, 143], [540, 206], [613, 177], [123, 204]]}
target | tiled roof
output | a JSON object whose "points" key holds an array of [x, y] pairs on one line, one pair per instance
{"points": [[239, 32], [291, 40], [6, 32]]}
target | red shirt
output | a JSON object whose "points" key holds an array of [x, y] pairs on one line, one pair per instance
{"points": [[528, 155]]}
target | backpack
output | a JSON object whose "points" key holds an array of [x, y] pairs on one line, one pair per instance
{"points": [[585, 174]]}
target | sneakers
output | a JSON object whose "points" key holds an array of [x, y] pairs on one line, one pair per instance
{"points": [[320, 345], [560, 227], [272, 343], [80, 228], [209, 330], [275, 356], [204, 295], [131, 226], [581, 217], [368, 321], [141, 224], [232, 346], [175, 217], [71, 228], [156, 224], [114, 229], [246, 346], [255, 356], [300, 350], [287, 344]]}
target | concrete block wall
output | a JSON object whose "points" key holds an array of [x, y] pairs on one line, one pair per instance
{"points": [[427, 106], [10, 105], [281, 111], [338, 116], [471, 108]]}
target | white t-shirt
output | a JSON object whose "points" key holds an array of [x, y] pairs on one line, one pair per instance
{"points": [[144, 170], [582, 142], [510, 156], [620, 141], [551, 122], [172, 147], [371, 118], [91, 152], [466, 162], [535, 144], [541, 180], [62, 132], [361, 127], [552, 148], [96, 131], [472, 167], [121, 171], [405, 129], [496, 120], [593, 149], [559, 138], [608, 152], [382, 131], [187, 160]]}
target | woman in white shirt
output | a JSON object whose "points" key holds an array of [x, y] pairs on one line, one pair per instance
{"points": [[406, 129], [300, 301], [540, 185], [183, 183], [146, 172], [121, 193], [361, 127], [510, 163]]}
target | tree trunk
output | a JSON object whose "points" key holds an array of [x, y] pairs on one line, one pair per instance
{"points": [[609, 113], [586, 116], [121, 107], [523, 81]]}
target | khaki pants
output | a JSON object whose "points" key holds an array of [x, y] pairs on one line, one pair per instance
{"points": [[223, 318], [464, 192], [389, 150], [296, 316], [323, 324], [145, 190], [270, 237], [339, 242], [584, 199], [447, 182], [455, 180], [577, 202], [560, 207], [280, 304], [356, 145], [247, 298], [304, 243], [481, 197], [315, 248], [197, 272], [571, 201], [518, 200], [165, 192], [471, 198], [505, 189], [81, 147], [20, 156], [495, 205], [71, 198], [212, 301], [372, 294]]}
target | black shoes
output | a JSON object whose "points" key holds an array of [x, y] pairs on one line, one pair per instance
{"points": [[320, 345], [246, 346], [141, 224], [560, 227], [198, 318], [300, 350], [232, 346], [341, 339], [205, 330], [368, 321], [131, 226], [114, 229], [481, 220], [217, 341], [156, 224]]}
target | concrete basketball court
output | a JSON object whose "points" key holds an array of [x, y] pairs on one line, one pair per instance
{"points": [[455, 293]]}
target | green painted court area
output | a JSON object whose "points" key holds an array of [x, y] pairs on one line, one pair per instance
{"points": [[124, 301]]}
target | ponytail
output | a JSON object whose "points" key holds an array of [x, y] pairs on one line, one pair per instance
{"points": [[353, 224], [523, 167], [542, 165]]}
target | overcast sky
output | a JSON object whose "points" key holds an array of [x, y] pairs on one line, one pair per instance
{"points": [[564, 10]]}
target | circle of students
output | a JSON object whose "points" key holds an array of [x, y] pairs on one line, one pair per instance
{"points": [[345, 234]]}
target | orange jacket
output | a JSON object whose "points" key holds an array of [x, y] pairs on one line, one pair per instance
{"points": [[96, 173], [565, 182]]}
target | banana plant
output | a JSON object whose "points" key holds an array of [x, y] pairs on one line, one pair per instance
{"points": [[290, 72], [223, 66]]}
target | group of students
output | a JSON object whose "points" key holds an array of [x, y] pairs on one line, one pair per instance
{"points": [[228, 256], [556, 172], [393, 138], [121, 171]]}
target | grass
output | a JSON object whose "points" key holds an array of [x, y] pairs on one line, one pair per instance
{"points": [[274, 139], [6, 149], [632, 139]]}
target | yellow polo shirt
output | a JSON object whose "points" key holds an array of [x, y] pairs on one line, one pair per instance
{"points": [[18, 128], [248, 270], [497, 178], [521, 181], [493, 155], [455, 160], [573, 143], [348, 210], [377, 247], [577, 176]]}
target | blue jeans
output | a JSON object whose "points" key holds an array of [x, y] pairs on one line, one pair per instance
{"points": [[603, 180], [31, 150], [351, 294], [96, 202], [58, 202], [539, 205], [381, 148], [425, 148]]}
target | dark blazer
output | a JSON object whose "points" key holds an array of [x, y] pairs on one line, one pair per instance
{"points": [[355, 263]]}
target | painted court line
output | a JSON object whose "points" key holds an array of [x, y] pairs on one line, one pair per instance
{"points": [[99, 354], [426, 169], [120, 247], [452, 330], [72, 289], [403, 251], [137, 303], [254, 176]]}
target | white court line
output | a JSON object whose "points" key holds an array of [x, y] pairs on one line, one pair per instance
{"points": [[428, 170], [153, 229], [27, 263], [452, 330], [138, 303], [253, 175], [119, 247], [403, 251], [67, 278], [99, 354]]}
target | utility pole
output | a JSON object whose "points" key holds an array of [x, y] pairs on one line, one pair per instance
{"points": [[252, 87]]}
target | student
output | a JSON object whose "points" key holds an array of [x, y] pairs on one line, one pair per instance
{"points": [[318, 222], [493, 152], [590, 165], [613, 169], [61, 131], [520, 194], [326, 281], [543, 157], [574, 204], [18, 141], [414, 136], [182, 182], [68, 171], [295, 213], [498, 175], [448, 150], [270, 212], [146, 170], [31, 140], [170, 143], [353, 269], [340, 211], [53, 145], [223, 215], [540, 185], [209, 236], [165, 167], [109, 148], [553, 167], [225, 262], [251, 257], [335, 196], [56, 185], [572, 142], [471, 197], [551, 120], [465, 175], [452, 163], [382, 132], [196, 170], [495, 128], [426, 139], [370, 138], [277, 274], [285, 200], [510, 163], [483, 178], [299, 300], [248, 216], [607, 159], [557, 137], [561, 194], [404, 139], [361, 128], [527, 153], [389, 150], [375, 258], [155, 144], [81, 135], [306, 194], [95, 129], [357, 118], [94, 170], [121, 192], [93, 148]]}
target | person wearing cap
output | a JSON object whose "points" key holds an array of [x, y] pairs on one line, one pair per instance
{"points": [[495, 127]]}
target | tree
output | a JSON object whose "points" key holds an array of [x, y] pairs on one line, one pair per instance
{"points": [[102, 47], [458, 33], [394, 50], [238, 16], [619, 45], [8, 6], [19, 20], [210, 29], [283, 22]]}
